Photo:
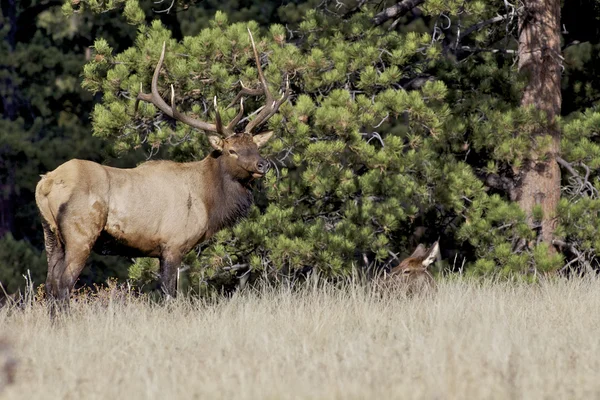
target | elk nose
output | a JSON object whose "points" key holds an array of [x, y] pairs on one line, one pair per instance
{"points": [[262, 166]]}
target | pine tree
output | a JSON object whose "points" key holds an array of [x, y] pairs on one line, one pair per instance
{"points": [[360, 162], [406, 124]]}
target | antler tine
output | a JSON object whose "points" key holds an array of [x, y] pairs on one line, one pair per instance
{"points": [[271, 105], [218, 116], [173, 99], [160, 104], [261, 76], [245, 91], [176, 114], [237, 118], [155, 98], [269, 109]]}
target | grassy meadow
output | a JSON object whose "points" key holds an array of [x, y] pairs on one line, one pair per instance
{"points": [[469, 340]]}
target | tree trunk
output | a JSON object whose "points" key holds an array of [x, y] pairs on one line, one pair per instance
{"points": [[540, 59]]}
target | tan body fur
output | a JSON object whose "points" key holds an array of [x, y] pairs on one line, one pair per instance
{"points": [[99, 198]]}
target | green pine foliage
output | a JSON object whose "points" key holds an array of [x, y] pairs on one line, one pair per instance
{"points": [[579, 208], [132, 11], [394, 135], [361, 161]]}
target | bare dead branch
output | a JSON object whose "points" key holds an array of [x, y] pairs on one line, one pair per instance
{"points": [[355, 9], [570, 169], [236, 267], [166, 10], [396, 11], [583, 183], [482, 50], [482, 24], [580, 256]]}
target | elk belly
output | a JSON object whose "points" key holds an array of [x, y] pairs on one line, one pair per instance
{"points": [[115, 240]]}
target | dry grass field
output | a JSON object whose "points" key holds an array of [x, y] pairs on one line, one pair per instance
{"points": [[496, 340]]}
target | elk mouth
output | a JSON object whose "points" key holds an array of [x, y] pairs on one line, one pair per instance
{"points": [[257, 175]]}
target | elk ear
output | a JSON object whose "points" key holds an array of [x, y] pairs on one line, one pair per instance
{"points": [[420, 252], [262, 138], [216, 142], [432, 254]]}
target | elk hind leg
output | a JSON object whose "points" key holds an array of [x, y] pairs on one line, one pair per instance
{"points": [[80, 225], [55, 255], [168, 274], [75, 259]]}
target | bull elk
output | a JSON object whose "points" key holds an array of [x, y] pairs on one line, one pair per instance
{"points": [[160, 209], [412, 274]]}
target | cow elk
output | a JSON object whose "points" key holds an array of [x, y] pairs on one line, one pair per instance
{"points": [[160, 209], [412, 274]]}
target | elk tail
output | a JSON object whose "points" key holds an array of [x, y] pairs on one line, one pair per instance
{"points": [[42, 190]]}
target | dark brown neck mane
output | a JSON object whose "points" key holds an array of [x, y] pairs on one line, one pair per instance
{"points": [[227, 199]]}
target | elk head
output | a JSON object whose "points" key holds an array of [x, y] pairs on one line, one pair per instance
{"points": [[240, 150], [412, 273], [241, 154]]}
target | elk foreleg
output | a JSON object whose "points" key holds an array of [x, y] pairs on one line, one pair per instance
{"points": [[168, 274]]}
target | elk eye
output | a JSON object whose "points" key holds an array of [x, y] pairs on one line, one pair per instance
{"points": [[233, 153], [406, 271]]}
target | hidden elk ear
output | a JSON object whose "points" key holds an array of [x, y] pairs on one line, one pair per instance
{"points": [[432, 254], [262, 138], [216, 142], [420, 252]]}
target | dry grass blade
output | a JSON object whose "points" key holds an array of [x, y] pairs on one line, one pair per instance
{"points": [[467, 340], [8, 364]]}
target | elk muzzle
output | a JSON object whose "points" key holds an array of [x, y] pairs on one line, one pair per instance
{"points": [[262, 167]]}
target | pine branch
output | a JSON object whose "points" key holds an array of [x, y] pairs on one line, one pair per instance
{"points": [[482, 24], [235, 267], [482, 49], [354, 10], [509, 17], [396, 11]]}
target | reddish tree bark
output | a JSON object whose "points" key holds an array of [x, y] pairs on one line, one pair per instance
{"points": [[540, 59]]}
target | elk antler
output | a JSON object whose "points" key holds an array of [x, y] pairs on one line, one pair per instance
{"points": [[171, 111], [271, 105], [266, 112]]}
